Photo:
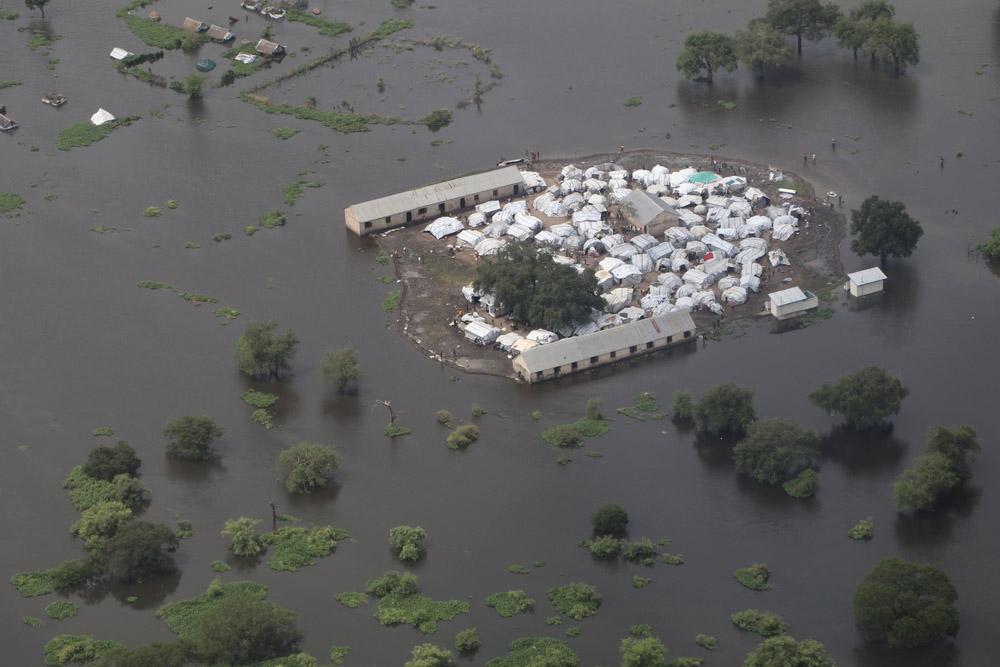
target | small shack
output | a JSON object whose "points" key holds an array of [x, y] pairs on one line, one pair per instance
{"points": [[868, 281], [218, 33], [266, 47], [791, 302], [191, 25], [648, 214]]}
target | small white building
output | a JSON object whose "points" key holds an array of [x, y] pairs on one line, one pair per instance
{"points": [[868, 281], [791, 302]]}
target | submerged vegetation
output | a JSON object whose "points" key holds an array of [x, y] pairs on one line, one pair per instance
{"points": [[510, 603], [400, 601], [576, 600], [86, 133], [754, 577], [863, 530], [10, 202], [762, 623], [156, 34]]}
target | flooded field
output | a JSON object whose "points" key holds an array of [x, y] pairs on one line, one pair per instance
{"points": [[83, 347]]}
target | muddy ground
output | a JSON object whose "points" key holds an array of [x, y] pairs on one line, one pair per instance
{"points": [[431, 273]]}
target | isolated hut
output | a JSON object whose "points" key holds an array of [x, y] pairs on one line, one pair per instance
{"points": [[791, 302], [266, 47], [868, 281], [218, 33], [192, 25]]}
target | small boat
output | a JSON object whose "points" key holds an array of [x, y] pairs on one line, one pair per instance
{"points": [[7, 124], [205, 65], [276, 13], [54, 99]]}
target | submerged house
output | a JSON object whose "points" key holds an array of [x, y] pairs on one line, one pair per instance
{"points": [[648, 214], [572, 355], [191, 25], [432, 201], [868, 281], [266, 47], [217, 32], [791, 302]]}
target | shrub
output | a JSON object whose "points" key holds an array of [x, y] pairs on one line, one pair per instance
{"points": [[429, 655], [242, 628], [510, 603], [640, 582], [990, 250], [863, 530], [706, 642], [609, 519], [152, 212], [85, 491], [477, 411], [643, 652], [153, 655], [518, 569], [775, 450], [81, 649], [443, 417], [340, 367], [99, 522], [641, 549], [467, 641], [605, 546], [785, 650], [243, 537], [754, 577], [308, 466], [563, 435], [725, 410], [762, 623], [683, 406], [437, 119], [258, 399], [105, 462], [463, 436], [137, 551], [804, 485], [593, 410], [408, 541], [923, 485], [576, 600], [540, 651], [61, 610], [191, 437], [351, 600]]}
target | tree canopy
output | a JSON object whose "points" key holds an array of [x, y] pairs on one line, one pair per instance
{"points": [[101, 521], [106, 462], [429, 655], [536, 290], [990, 250], [706, 52], [37, 4], [340, 367], [785, 651], [725, 409], [308, 466], [243, 537], [643, 652], [802, 18], [922, 485], [761, 48], [264, 352], [408, 541], [884, 228], [866, 398], [776, 450], [137, 551], [853, 30], [906, 604], [190, 437], [241, 628], [609, 519], [960, 445], [895, 42]]}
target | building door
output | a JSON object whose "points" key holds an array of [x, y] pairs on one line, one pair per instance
{"points": [[461, 202], [409, 216], [441, 207]]}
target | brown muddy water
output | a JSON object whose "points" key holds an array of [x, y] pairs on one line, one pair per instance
{"points": [[81, 346]]}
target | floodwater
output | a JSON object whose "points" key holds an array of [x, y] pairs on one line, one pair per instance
{"points": [[82, 347]]}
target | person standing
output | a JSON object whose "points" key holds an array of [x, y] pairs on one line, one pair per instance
{"points": [[833, 143]]}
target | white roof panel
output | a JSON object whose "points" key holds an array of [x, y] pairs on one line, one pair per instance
{"points": [[786, 296], [866, 276]]}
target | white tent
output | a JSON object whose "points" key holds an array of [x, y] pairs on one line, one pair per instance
{"points": [[489, 246], [101, 117], [444, 226], [120, 54]]}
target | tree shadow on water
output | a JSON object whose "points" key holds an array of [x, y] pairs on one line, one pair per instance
{"points": [[921, 529], [715, 451], [869, 453], [880, 655], [195, 471], [147, 594]]}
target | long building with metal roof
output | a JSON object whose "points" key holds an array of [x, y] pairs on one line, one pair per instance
{"points": [[433, 201], [572, 355]]}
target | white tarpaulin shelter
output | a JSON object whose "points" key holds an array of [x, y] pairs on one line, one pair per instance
{"points": [[617, 299], [481, 333], [488, 247], [101, 117], [120, 54], [627, 274], [470, 237], [541, 336], [443, 227]]}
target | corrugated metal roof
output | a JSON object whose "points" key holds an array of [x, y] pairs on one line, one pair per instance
{"points": [[786, 296], [434, 194], [647, 207], [581, 348], [866, 276]]}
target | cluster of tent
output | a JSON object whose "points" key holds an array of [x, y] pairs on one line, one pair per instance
{"points": [[713, 258]]}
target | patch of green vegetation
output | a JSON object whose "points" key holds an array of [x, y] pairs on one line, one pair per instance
{"points": [[80, 649], [192, 297], [34, 583], [220, 566], [85, 491], [707, 642], [263, 417], [183, 617], [467, 641], [50, 196], [326, 28], [185, 529], [338, 653], [564, 460], [574, 631], [510, 603], [386, 280], [437, 119], [9, 202], [272, 219], [227, 313], [641, 630], [7, 15], [592, 428], [863, 530], [131, 599], [152, 212], [295, 190], [293, 547], [440, 142], [32, 621], [685, 661], [41, 40], [640, 582], [576, 600], [633, 101], [351, 600], [341, 121], [536, 651], [536, 415], [52, 62], [391, 27], [155, 285], [258, 399], [539, 563], [399, 601], [645, 408], [754, 577], [9, 84], [396, 430], [463, 436], [382, 257], [608, 546], [762, 623], [401, 4], [102, 229], [250, 230], [728, 105], [391, 302], [191, 245], [61, 610], [804, 484], [518, 569], [672, 559], [218, 238], [285, 133], [86, 133], [158, 34]]}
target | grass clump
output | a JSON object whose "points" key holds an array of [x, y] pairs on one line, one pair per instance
{"points": [[382, 257], [258, 399], [400, 601], [510, 603], [645, 408], [272, 219], [863, 530], [536, 651], [292, 193], [396, 430], [9, 84], [706, 642], [326, 28], [672, 559], [436, 119], [263, 417], [391, 302], [633, 101], [227, 313], [10, 202], [390, 27], [539, 563], [518, 569], [553, 620], [293, 548], [61, 610], [86, 133], [184, 616], [576, 600], [159, 35], [763, 623], [803, 485], [220, 566], [103, 432], [152, 212], [640, 582], [285, 133], [574, 631], [191, 245], [478, 411], [467, 641], [250, 230], [155, 285], [32, 621], [338, 653], [754, 577], [34, 583], [728, 105], [562, 435], [341, 121], [351, 600], [462, 436], [79, 649]]}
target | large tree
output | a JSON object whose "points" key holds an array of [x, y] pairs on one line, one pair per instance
{"points": [[802, 18], [706, 52], [37, 4], [101, 521], [241, 629], [190, 437], [761, 48], [609, 519], [429, 655], [307, 466], [340, 367], [776, 450], [905, 604], [866, 398], [725, 409], [853, 30], [894, 41], [536, 290], [785, 651], [264, 352], [884, 228], [137, 551], [922, 485], [106, 462], [959, 445]]}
